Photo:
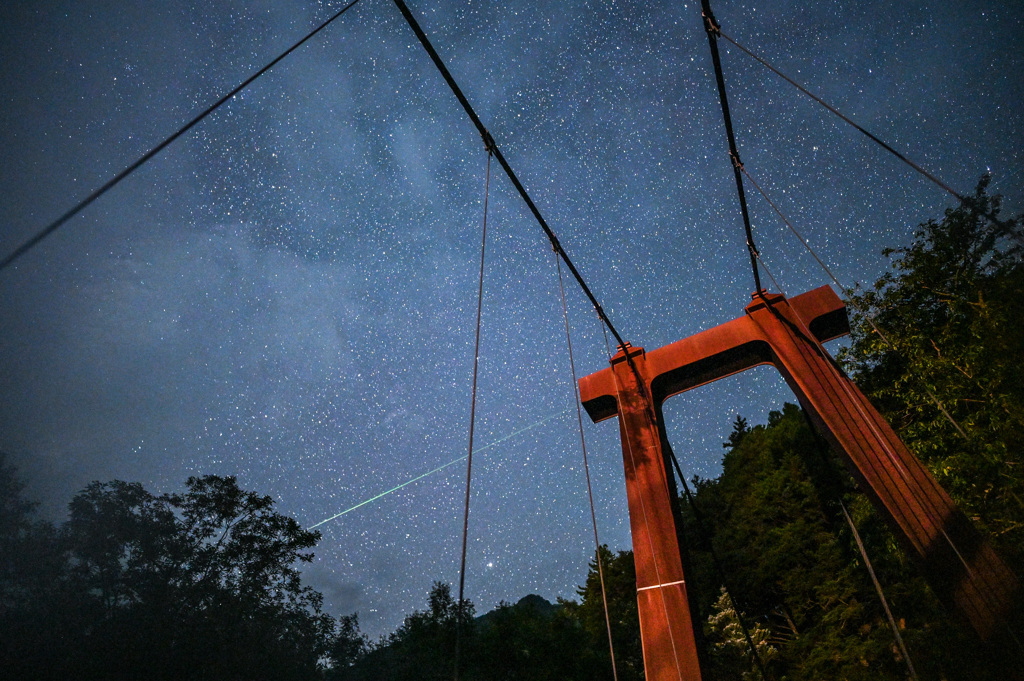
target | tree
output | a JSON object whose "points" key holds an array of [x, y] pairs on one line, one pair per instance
{"points": [[620, 586], [532, 639], [739, 431], [950, 311], [729, 650], [537, 640], [196, 585], [794, 568], [347, 649], [30, 568], [423, 647], [22, 540]]}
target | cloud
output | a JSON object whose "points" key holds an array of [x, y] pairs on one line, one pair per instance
{"points": [[341, 597], [133, 357]]}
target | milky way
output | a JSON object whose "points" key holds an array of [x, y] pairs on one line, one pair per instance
{"points": [[287, 294]]}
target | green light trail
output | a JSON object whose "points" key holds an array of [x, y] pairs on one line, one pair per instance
{"points": [[439, 468]]}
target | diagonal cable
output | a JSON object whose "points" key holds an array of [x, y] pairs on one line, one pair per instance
{"points": [[472, 423], [881, 594], [835, 111], [586, 470], [114, 181], [706, 535]]}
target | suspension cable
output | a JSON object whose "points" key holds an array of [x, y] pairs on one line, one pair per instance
{"points": [[472, 423], [711, 28], [989, 215], [881, 594], [586, 471], [835, 111], [110, 184], [934, 398], [767, 270], [489, 142], [706, 536], [714, 30]]}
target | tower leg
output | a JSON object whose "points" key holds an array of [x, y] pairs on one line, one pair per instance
{"points": [[958, 562], [667, 627]]}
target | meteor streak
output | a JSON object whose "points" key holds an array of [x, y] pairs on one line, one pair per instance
{"points": [[439, 468]]}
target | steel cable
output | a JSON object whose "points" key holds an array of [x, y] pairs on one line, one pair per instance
{"points": [[472, 424], [835, 111], [586, 470], [712, 30], [114, 181]]}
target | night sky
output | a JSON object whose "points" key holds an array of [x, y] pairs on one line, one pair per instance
{"points": [[287, 294]]}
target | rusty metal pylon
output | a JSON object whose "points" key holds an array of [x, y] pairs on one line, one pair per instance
{"points": [[958, 562]]}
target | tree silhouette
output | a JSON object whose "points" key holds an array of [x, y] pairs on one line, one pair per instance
{"points": [[620, 586], [196, 585]]}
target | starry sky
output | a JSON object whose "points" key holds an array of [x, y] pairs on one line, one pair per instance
{"points": [[288, 293]]}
